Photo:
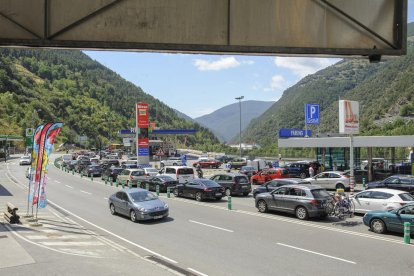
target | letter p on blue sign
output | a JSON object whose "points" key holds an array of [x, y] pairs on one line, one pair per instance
{"points": [[312, 114]]}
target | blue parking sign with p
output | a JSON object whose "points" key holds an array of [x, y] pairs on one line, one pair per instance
{"points": [[312, 114]]}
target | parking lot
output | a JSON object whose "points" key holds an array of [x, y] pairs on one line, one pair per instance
{"points": [[206, 238]]}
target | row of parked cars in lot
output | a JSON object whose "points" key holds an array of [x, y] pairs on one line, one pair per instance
{"points": [[387, 204]]}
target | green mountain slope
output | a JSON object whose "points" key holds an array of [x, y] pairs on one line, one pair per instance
{"points": [[385, 92], [70, 87]]}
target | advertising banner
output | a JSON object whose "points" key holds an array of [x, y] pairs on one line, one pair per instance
{"points": [[292, 132], [35, 154], [348, 117], [142, 125]]}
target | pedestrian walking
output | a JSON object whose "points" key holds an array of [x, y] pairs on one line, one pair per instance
{"points": [[311, 171], [335, 167]]}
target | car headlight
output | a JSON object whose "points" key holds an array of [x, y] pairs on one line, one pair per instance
{"points": [[165, 206], [142, 209]]}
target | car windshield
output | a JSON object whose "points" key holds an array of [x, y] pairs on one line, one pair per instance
{"points": [[319, 193], [152, 170], [209, 183], [142, 196], [137, 173], [406, 197]]}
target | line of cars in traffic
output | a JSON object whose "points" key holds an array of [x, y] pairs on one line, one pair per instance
{"points": [[305, 198]]}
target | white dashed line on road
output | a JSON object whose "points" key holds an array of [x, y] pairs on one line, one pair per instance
{"points": [[196, 272], [85, 192], [105, 198], [316, 253], [57, 181], [69, 186], [212, 226], [65, 243]]}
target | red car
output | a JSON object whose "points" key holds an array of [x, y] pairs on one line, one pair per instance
{"points": [[269, 174], [210, 163]]}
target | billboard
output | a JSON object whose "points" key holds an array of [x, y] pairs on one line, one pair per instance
{"points": [[348, 117], [291, 132], [142, 115]]}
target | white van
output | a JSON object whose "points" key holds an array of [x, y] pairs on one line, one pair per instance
{"points": [[258, 164], [181, 173]]}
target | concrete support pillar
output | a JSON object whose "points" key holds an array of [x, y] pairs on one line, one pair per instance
{"points": [[370, 172], [393, 156]]}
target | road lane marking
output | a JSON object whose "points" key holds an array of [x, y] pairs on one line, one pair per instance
{"points": [[58, 237], [316, 253], [69, 186], [57, 181], [113, 234], [63, 243], [105, 198], [212, 226], [85, 192], [17, 183], [196, 272]]}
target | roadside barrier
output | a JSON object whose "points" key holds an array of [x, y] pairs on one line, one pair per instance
{"points": [[407, 236], [130, 185], [122, 184], [11, 214], [168, 192], [229, 202], [363, 182], [81, 174], [147, 186], [157, 189], [91, 176], [117, 183], [73, 172]]}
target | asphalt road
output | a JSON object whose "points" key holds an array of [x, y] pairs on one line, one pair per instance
{"points": [[207, 239]]}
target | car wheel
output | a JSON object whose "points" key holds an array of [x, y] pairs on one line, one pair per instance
{"points": [[211, 166], [112, 209], [219, 198], [302, 175], [246, 194], [175, 192], [302, 213], [133, 216], [198, 196], [262, 206], [228, 192], [378, 226], [340, 186]]}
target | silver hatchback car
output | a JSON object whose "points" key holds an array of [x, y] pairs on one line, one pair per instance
{"points": [[304, 201]]}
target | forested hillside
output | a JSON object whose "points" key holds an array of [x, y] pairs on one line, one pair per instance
{"points": [[385, 91], [68, 86]]}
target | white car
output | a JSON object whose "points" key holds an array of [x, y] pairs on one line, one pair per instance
{"points": [[380, 200], [173, 161], [180, 173], [150, 171], [330, 180], [25, 160]]}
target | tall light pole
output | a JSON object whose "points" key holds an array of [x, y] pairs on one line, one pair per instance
{"points": [[240, 140]]}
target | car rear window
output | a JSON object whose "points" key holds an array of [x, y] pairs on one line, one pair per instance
{"points": [[318, 193], [210, 183], [242, 179], [152, 170], [406, 197], [185, 171], [137, 173]]}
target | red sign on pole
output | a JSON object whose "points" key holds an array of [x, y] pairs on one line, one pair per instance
{"points": [[142, 115], [152, 125]]}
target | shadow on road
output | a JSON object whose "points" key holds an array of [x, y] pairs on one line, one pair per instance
{"points": [[4, 191]]}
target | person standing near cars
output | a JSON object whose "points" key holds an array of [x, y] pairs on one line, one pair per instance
{"points": [[311, 171]]}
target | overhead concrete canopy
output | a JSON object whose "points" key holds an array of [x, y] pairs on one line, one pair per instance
{"points": [[297, 27], [342, 142]]}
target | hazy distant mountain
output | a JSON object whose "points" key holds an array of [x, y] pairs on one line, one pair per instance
{"points": [[225, 122], [183, 116]]}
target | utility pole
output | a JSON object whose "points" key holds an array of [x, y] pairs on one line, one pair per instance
{"points": [[240, 139]]}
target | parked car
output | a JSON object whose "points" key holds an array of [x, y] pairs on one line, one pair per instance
{"points": [[172, 161], [92, 170], [163, 181], [25, 160], [275, 183], [269, 174], [223, 158], [133, 176], [298, 169], [399, 182], [81, 164], [109, 163], [71, 165], [359, 175], [233, 183], [208, 163], [111, 173], [331, 180], [138, 204], [150, 171], [305, 201], [382, 221], [238, 162], [180, 173], [249, 171], [130, 166], [200, 189], [380, 200]]}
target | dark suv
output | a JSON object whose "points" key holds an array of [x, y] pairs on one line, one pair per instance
{"points": [[399, 182], [233, 183], [298, 169]]}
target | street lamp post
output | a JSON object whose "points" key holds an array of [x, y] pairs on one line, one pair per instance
{"points": [[240, 140]]}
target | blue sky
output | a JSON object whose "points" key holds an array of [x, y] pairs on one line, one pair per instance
{"points": [[199, 84]]}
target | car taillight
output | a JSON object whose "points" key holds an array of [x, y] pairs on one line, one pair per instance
{"points": [[315, 202], [402, 203]]}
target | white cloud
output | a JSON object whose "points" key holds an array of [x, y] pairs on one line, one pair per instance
{"points": [[221, 64], [278, 82], [303, 66]]}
